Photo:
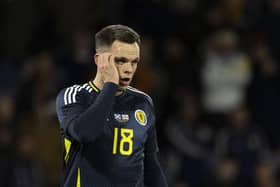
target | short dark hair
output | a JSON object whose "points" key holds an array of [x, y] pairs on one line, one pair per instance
{"points": [[107, 35]]}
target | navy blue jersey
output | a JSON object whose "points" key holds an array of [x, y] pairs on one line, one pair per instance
{"points": [[106, 137]]}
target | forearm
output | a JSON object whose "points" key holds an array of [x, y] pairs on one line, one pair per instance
{"points": [[154, 176], [90, 124]]}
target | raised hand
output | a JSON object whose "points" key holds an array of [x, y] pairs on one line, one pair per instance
{"points": [[107, 68]]}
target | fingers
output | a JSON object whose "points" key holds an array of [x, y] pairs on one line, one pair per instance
{"points": [[111, 59], [107, 68], [105, 59]]}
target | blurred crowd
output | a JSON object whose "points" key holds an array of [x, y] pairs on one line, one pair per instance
{"points": [[211, 67]]}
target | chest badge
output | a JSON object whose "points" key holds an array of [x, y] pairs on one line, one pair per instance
{"points": [[122, 118], [140, 117]]}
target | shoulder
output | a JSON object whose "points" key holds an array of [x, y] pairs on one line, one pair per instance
{"points": [[140, 95], [73, 94]]}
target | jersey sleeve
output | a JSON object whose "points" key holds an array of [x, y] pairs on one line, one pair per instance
{"points": [[153, 174], [70, 103], [78, 117], [151, 145]]}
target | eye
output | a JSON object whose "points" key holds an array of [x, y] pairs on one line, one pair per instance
{"points": [[119, 61], [135, 61]]}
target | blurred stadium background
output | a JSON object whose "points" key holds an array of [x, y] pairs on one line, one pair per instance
{"points": [[211, 67]]}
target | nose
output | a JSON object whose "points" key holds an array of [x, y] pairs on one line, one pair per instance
{"points": [[128, 68]]}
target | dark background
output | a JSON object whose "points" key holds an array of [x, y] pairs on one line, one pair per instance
{"points": [[211, 67]]}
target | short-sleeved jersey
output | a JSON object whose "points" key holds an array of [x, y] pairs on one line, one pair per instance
{"points": [[116, 157]]}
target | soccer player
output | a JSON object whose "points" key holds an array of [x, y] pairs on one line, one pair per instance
{"points": [[107, 127]]}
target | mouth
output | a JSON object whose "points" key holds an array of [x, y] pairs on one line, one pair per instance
{"points": [[124, 81]]}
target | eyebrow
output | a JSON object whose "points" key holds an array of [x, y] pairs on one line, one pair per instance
{"points": [[124, 59]]}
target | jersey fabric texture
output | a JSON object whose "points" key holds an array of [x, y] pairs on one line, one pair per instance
{"points": [[106, 137]]}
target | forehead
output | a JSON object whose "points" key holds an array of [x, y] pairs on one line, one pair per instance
{"points": [[125, 49]]}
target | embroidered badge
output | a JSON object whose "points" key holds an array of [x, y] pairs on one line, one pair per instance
{"points": [[140, 117], [122, 118]]}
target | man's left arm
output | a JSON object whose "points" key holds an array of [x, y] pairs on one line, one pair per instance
{"points": [[153, 174]]}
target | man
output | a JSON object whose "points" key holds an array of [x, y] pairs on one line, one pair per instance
{"points": [[108, 127]]}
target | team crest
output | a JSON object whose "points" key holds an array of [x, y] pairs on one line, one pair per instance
{"points": [[140, 117]]}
